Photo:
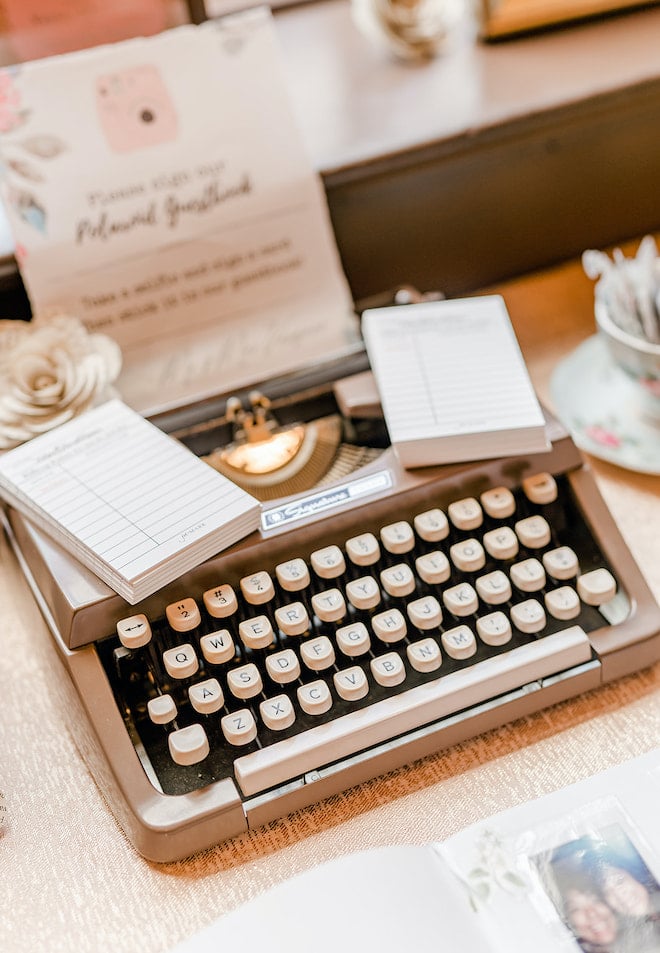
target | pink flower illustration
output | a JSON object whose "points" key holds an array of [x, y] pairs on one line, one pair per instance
{"points": [[9, 102], [602, 436]]}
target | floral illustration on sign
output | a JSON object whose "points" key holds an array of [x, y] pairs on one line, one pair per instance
{"points": [[20, 158], [10, 100], [495, 869]]}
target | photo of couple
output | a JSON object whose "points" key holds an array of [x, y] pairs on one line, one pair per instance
{"points": [[604, 892]]}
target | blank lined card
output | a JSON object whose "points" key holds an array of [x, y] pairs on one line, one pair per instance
{"points": [[452, 381], [128, 501]]}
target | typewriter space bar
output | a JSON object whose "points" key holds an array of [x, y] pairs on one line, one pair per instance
{"points": [[410, 709]]}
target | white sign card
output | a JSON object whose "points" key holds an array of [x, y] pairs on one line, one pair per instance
{"points": [[159, 190]]}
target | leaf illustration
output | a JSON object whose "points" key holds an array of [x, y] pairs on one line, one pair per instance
{"points": [[28, 208], [24, 169], [44, 146], [513, 879], [481, 890]]}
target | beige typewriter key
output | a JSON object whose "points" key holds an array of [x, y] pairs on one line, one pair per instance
{"points": [[351, 684], [499, 502], [561, 563], [459, 643], [494, 628], [353, 640], [318, 654], [134, 631], [468, 555], [371, 724], [424, 655], [596, 587], [533, 532], [218, 647], [292, 619], [363, 550], [563, 603], [161, 709], [528, 616], [256, 633], [433, 568], [425, 613], [258, 588], [398, 580], [184, 615], [315, 698], [188, 745], [283, 667], [245, 682], [181, 661], [239, 728], [398, 538], [328, 563], [277, 713], [329, 605], [206, 697], [389, 626], [528, 575], [220, 602], [431, 526], [501, 543], [363, 593], [461, 600], [540, 488], [494, 588], [465, 514], [388, 670], [293, 575]]}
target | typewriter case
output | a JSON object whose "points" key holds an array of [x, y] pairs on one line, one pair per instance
{"points": [[81, 611]]}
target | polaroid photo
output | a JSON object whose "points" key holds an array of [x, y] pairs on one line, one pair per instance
{"points": [[596, 883]]}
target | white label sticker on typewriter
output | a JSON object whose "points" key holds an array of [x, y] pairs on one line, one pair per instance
{"points": [[159, 190], [279, 517]]}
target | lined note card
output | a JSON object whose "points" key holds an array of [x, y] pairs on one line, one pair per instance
{"points": [[130, 502], [452, 381]]}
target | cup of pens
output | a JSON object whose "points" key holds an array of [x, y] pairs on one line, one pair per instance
{"points": [[627, 309]]}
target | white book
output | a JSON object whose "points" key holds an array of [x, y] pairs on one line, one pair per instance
{"points": [[453, 382], [575, 870], [131, 503]]}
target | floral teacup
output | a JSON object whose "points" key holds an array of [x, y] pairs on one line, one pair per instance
{"points": [[639, 358]]}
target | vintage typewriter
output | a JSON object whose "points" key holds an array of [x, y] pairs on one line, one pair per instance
{"points": [[378, 615]]}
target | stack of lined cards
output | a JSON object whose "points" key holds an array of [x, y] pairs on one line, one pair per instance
{"points": [[452, 381], [132, 504]]}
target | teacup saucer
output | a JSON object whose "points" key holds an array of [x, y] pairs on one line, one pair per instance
{"points": [[606, 412]]}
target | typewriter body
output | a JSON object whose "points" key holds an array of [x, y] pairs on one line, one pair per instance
{"points": [[377, 616]]}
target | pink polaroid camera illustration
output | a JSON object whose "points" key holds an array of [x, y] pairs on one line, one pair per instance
{"points": [[135, 109]]}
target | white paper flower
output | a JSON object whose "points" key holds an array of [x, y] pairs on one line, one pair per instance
{"points": [[49, 373]]}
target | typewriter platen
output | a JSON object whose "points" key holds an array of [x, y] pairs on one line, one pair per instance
{"points": [[379, 615]]}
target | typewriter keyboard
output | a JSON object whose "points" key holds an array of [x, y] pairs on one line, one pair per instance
{"points": [[293, 666]]}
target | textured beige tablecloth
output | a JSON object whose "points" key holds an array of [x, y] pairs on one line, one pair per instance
{"points": [[69, 879]]}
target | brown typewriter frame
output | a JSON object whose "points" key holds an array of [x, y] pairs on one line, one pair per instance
{"points": [[166, 827]]}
